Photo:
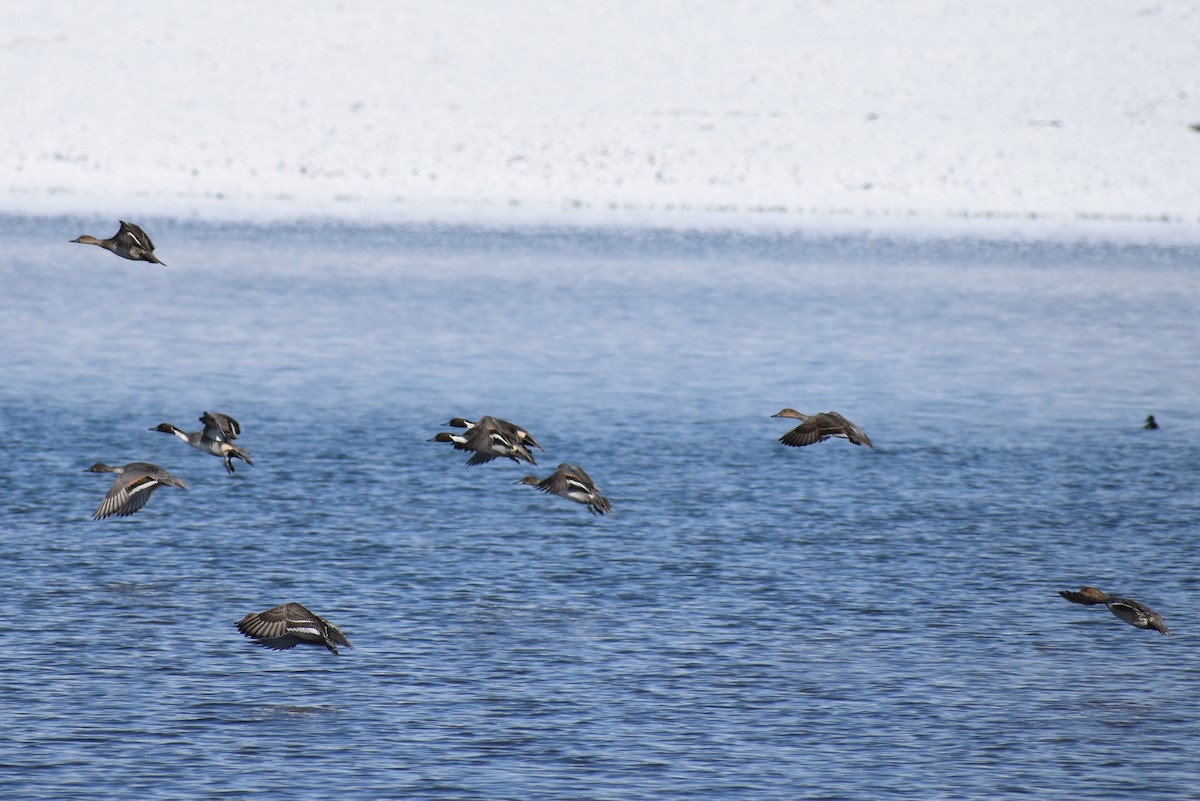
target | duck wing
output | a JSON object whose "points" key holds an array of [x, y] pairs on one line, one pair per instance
{"points": [[492, 438], [578, 481], [559, 482], [479, 457], [224, 426], [130, 234], [1136, 614], [518, 434], [484, 435], [806, 433], [127, 495], [577, 476], [288, 625]]}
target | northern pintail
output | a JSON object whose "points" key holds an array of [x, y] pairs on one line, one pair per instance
{"points": [[821, 426], [214, 438], [1151, 423], [1131, 612], [488, 439], [521, 434], [129, 242], [132, 487], [289, 625], [571, 482]]}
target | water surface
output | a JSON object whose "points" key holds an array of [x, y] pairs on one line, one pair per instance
{"points": [[752, 621]]}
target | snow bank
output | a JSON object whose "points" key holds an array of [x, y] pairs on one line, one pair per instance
{"points": [[1033, 118]]}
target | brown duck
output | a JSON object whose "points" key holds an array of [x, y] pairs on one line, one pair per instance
{"points": [[288, 625], [132, 488], [129, 242], [1131, 612], [570, 482], [489, 439], [819, 427]]}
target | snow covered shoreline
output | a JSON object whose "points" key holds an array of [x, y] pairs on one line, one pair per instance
{"points": [[1023, 119]]}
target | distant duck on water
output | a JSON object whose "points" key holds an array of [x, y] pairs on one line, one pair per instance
{"points": [[571, 482], [1132, 612], [214, 438], [289, 625], [129, 242], [1151, 423], [489, 439], [819, 427], [132, 487]]}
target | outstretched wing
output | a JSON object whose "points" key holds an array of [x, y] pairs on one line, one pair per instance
{"points": [[220, 426], [806, 433], [132, 234], [126, 497]]}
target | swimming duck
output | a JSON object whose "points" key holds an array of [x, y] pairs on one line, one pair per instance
{"points": [[1131, 612], [821, 426], [289, 625], [132, 487], [1151, 423], [489, 439], [572, 483], [521, 434], [129, 242], [213, 438]]}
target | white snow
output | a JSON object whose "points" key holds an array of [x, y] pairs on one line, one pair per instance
{"points": [[1047, 118]]}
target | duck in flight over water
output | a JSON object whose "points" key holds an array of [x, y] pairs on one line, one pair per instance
{"points": [[489, 439], [571, 482], [819, 427], [132, 487], [1133, 613], [129, 242], [521, 434], [288, 625], [214, 438]]}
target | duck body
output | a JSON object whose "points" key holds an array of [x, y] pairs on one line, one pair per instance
{"points": [[132, 488], [1135, 614], [819, 427], [288, 625], [214, 438], [571, 482], [129, 242], [488, 439]]}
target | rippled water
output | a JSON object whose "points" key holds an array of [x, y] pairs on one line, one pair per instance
{"points": [[751, 622]]}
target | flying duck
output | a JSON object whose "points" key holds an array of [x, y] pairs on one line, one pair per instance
{"points": [[129, 242], [521, 434], [1131, 612], [289, 625], [821, 426], [572, 483], [488, 439], [214, 438], [132, 487]]}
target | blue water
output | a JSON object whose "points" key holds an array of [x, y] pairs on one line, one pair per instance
{"points": [[751, 621]]}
